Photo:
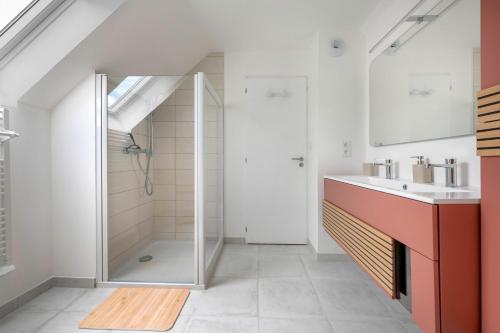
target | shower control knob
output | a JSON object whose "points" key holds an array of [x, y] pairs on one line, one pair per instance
{"points": [[301, 164]]}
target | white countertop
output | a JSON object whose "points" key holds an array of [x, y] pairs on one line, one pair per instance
{"points": [[428, 193]]}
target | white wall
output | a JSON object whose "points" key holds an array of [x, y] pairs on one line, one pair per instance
{"points": [[32, 252], [384, 17], [313, 195], [73, 182], [30, 203], [340, 115]]}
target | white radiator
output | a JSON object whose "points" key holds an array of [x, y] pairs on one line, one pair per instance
{"points": [[5, 136]]}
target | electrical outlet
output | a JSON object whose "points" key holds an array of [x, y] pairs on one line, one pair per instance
{"points": [[347, 148]]}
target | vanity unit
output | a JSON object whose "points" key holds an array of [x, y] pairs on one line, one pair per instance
{"points": [[371, 218]]}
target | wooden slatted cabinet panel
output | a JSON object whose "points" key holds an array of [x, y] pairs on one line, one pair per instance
{"points": [[370, 248], [488, 122]]}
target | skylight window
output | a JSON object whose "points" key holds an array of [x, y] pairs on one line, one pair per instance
{"points": [[11, 10], [122, 89], [22, 20]]}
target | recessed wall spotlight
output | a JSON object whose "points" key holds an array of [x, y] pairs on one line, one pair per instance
{"points": [[337, 48]]}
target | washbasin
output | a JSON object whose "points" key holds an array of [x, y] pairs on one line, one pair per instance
{"points": [[430, 193], [405, 185]]}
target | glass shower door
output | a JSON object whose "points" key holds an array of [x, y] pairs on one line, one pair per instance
{"points": [[146, 214], [209, 157]]}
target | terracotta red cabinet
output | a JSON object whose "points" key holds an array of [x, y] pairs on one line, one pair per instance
{"points": [[444, 245]]}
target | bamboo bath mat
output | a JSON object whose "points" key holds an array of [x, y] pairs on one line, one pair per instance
{"points": [[142, 309]]}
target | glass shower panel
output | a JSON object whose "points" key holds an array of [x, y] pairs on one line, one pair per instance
{"points": [[213, 160]]}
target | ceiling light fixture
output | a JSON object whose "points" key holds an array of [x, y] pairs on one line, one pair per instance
{"points": [[421, 15]]}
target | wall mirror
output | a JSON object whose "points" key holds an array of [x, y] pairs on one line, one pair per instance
{"points": [[423, 86]]}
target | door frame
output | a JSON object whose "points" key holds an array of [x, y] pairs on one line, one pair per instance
{"points": [[307, 154]]}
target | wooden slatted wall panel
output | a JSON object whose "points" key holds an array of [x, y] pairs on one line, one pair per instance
{"points": [[488, 122], [370, 248]]}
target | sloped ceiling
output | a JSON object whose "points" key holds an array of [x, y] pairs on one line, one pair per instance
{"points": [[146, 37], [48, 45], [249, 25], [167, 37]]}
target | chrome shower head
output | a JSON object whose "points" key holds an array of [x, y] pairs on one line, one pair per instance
{"points": [[134, 148], [131, 136]]}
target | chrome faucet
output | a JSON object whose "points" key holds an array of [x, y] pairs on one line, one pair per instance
{"points": [[389, 168], [450, 166]]}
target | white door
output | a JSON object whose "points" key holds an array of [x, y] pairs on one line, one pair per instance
{"points": [[275, 160]]}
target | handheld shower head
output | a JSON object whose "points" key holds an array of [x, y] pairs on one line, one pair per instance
{"points": [[131, 136], [134, 148]]}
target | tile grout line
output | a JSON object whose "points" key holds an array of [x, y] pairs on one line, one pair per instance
{"points": [[75, 300], [46, 321], [393, 315], [316, 293], [188, 322], [59, 311]]}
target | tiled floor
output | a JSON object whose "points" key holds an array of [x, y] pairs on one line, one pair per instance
{"points": [[266, 289]]}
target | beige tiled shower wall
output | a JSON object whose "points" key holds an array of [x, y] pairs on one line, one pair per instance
{"points": [[174, 154], [130, 209]]}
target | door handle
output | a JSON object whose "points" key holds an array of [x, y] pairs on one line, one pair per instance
{"points": [[300, 159]]}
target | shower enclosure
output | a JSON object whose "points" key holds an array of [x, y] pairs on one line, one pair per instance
{"points": [[160, 179]]}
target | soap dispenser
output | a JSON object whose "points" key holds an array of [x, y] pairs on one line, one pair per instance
{"points": [[421, 173]]}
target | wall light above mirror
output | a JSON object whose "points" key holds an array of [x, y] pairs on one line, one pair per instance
{"points": [[422, 86]]}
